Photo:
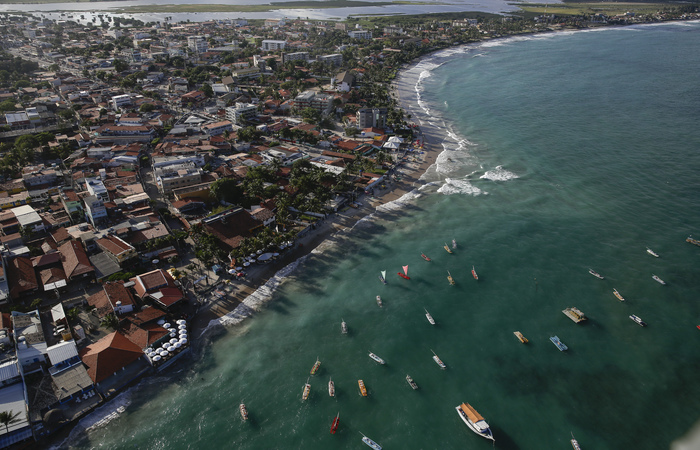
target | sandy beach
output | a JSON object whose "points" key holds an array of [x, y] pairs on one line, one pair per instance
{"points": [[259, 276]]}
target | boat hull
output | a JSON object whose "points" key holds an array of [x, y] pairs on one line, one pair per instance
{"points": [[486, 433]]}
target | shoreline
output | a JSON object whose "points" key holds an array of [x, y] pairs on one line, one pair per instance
{"points": [[262, 281]]}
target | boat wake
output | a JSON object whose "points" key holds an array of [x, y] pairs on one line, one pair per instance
{"points": [[499, 174], [463, 186]]}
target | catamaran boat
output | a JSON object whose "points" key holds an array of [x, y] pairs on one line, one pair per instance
{"points": [[476, 277], [596, 274], [307, 390], [450, 279], [243, 410], [520, 336], [422, 255], [659, 280], [447, 248], [371, 443], [376, 358], [560, 345], [317, 364], [412, 383], [379, 301], [652, 252], [429, 317], [363, 388], [474, 421], [438, 361], [618, 295], [343, 327], [382, 277], [331, 388], [639, 321], [336, 422]]}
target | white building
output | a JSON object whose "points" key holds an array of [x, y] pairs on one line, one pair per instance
{"points": [[360, 34], [120, 100], [241, 113], [28, 218], [96, 187], [95, 209], [197, 44], [270, 45]]}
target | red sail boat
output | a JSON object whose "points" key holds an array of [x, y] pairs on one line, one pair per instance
{"points": [[336, 422], [476, 277], [404, 274]]}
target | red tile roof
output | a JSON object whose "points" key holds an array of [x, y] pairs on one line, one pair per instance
{"points": [[101, 303], [109, 355], [20, 276], [152, 281], [75, 260], [146, 315], [145, 335]]}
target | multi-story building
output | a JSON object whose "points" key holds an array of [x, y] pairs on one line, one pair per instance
{"points": [[95, 209], [121, 100], [298, 56], [241, 113], [96, 187], [310, 99], [360, 34], [197, 44], [34, 176], [371, 117], [177, 176], [270, 45], [335, 59], [217, 128]]}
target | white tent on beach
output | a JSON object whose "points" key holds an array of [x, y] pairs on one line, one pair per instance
{"points": [[392, 145]]}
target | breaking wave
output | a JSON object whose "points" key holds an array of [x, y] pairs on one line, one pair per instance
{"points": [[454, 186], [498, 174]]}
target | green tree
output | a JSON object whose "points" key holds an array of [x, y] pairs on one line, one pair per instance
{"points": [[110, 321], [120, 65], [147, 107], [207, 89]]}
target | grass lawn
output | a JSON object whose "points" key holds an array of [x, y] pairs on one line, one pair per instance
{"points": [[578, 8]]}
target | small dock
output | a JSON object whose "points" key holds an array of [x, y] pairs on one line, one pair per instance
{"points": [[575, 314]]}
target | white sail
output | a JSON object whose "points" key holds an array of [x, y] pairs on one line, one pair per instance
{"points": [[384, 274]]}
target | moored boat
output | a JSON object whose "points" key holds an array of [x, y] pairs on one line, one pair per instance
{"points": [[574, 443], [639, 321], [596, 274], [658, 280], [316, 366], [447, 248], [429, 317], [363, 388], [379, 301], [574, 314], [692, 241], [560, 345], [474, 421], [652, 252], [331, 388], [371, 443], [618, 295], [411, 383], [307, 390], [422, 255], [343, 327], [244, 411], [450, 279], [376, 358], [438, 361], [476, 277], [520, 336], [334, 425], [404, 275]]}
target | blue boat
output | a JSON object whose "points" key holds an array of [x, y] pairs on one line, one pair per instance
{"points": [[560, 345]]}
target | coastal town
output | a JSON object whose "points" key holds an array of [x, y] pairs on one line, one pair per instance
{"points": [[148, 171]]}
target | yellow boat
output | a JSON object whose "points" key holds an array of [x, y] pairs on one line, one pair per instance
{"points": [[447, 248], [450, 279], [363, 389], [617, 294], [520, 336]]}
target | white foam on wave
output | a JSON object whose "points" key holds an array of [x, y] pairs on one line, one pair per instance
{"points": [[454, 186], [499, 174], [256, 300], [99, 418], [400, 202]]}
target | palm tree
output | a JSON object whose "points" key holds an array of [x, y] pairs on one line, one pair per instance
{"points": [[8, 418]]}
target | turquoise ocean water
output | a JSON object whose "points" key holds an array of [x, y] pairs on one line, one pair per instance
{"points": [[561, 153]]}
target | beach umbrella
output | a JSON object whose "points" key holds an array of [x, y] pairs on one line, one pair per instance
{"points": [[232, 271], [183, 332], [167, 325], [181, 321], [177, 345], [173, 340], [246, 264], [157, 358], [165, 344], [182, 326], [161, 322], [183, 340]]}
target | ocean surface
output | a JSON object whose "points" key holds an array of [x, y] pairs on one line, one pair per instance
{"points": [[562, 152]]}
